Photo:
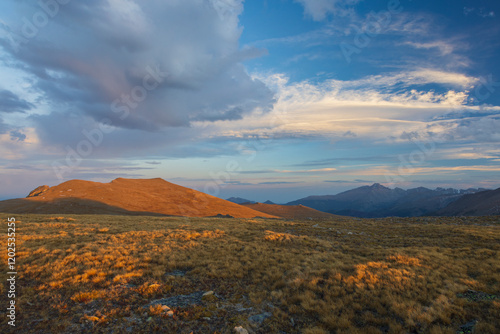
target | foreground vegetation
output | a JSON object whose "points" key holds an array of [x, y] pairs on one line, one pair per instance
{"points": [[84, 273]]}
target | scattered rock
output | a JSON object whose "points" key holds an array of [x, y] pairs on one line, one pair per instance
{"points": [[208, 293], [167, 311], [259, 318], [243, 309], [467, 328], [178, 273], [475, 296], [38, 191], [240, 330], [181, 300]]}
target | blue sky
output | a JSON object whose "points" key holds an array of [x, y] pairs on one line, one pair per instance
{"points": [[259, 99]]}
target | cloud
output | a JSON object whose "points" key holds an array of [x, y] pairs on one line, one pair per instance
{"points": [[277, 182], [319, 10], [16, 135], [319, 170], [443, 47], [486, 129], [482, 12], [280, 171], [471, 152], [380, 107], [3, 127], [10, 103], [96, 58], [347, 181]]}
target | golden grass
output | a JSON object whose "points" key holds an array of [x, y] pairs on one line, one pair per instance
{"points": [[87, 273]]}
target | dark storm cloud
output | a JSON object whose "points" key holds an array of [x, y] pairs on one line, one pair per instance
{"points": [[3, 127], [17, 135], [10, 102], [146, 66]]}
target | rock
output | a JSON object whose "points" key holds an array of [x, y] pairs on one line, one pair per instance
{"points": [[240, 330], [180, 300], [209, 296], [208, 293], [178, 273], [259, 318], [167, 311], [38, 191]]}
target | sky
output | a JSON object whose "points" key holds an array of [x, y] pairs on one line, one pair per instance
{"points": [[263, 99]]}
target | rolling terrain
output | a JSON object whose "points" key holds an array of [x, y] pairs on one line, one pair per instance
{"points": [[290, 211], [126, 196]]}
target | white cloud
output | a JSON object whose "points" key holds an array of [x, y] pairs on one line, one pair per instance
{"points": [[443, 47], [378, 107], [321, 9], [472, 152], [321, 170]]}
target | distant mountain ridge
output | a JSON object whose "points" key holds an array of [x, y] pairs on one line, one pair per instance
{"points": [[239, 200], [380, 201], [483, 203]]}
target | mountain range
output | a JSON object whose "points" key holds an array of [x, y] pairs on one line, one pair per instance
{"points": [[379, 201], [159, 197]]}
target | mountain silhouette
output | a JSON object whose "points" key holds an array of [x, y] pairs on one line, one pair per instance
{"points": [[483, 203], [380, 201]]}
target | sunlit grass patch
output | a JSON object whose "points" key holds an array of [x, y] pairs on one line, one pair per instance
{"points": [[85, 297], [280, 237], [62, 219]]}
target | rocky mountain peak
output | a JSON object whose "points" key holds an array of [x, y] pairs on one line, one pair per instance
{"points": [[38, 191]]}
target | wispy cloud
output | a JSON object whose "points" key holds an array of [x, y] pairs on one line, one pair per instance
{"points": [[319, 10], [380, 107], [277, 183], [349, 181], [320, 170]]}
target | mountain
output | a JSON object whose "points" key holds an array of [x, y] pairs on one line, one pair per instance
{"points": [[125, 196], [269, 202], [290, 212], [239, 200], [483, 203], [379, 201]]}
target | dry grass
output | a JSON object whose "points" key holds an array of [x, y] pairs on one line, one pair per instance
{"points": [[86, 273]]}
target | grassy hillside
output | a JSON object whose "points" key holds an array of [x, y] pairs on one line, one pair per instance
{"points": [[124, 274], [291, 211], [126, 197]]}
